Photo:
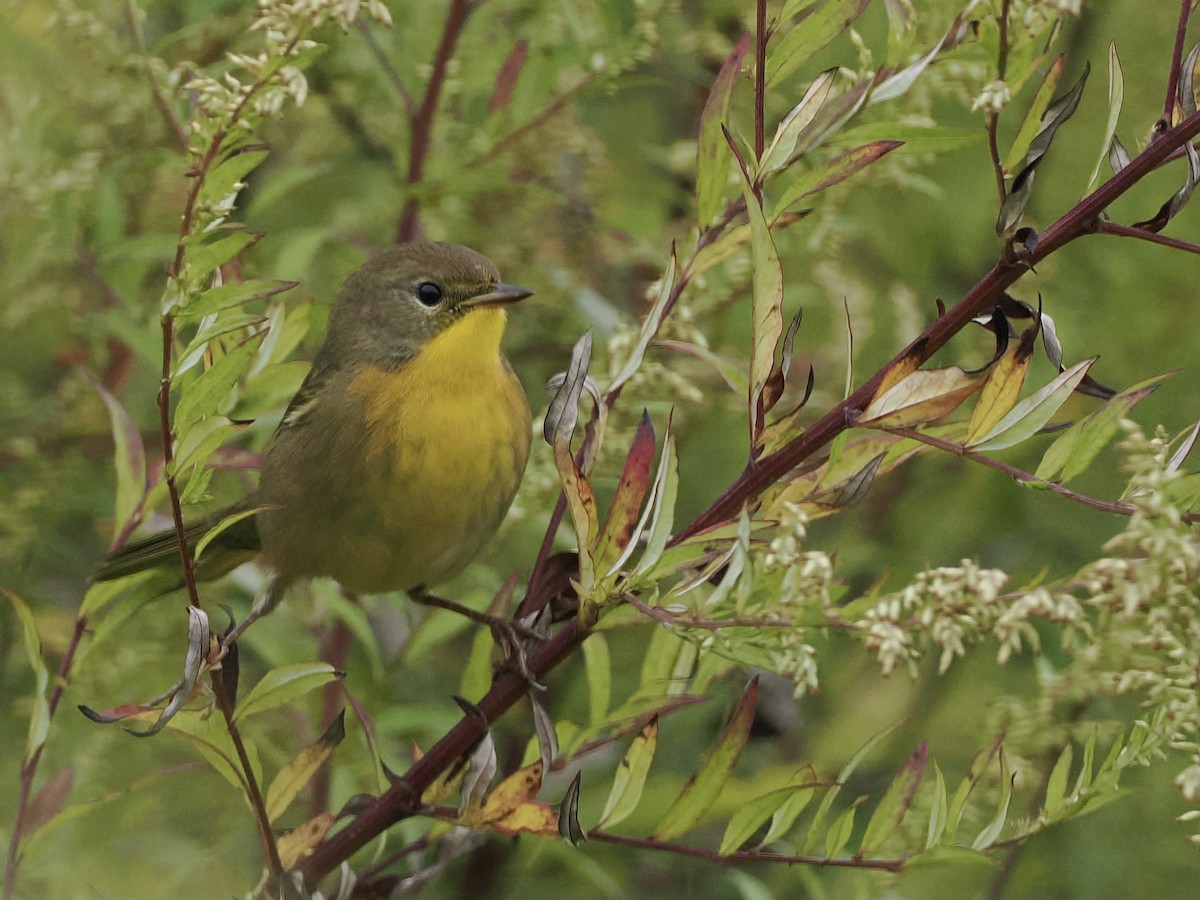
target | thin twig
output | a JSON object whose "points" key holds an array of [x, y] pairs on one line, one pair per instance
{"points": [[1018, 475], [156, 92], [743, 857], [389, 71], [993, 118], [1176, 65], [1150, 236], [421, 124], [760, 86]]}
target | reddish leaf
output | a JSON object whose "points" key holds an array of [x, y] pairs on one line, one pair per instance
{"points": [[507, 79], [627, 501]]}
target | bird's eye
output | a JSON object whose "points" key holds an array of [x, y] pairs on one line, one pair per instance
{"points": [[429, 293]]}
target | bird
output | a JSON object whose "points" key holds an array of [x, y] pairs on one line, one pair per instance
{"points": [[399, 456]]}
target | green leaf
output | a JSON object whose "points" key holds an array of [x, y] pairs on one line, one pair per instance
{"points": [[910, 140], [938, 810], [839, 832], [834, 171], [896, 802], [662, 503], [225, 179], [992, 830], [1027, 417], [650, 326], [712, 154], [767, 305], [599, 677], [974, 775], [1058, 112], [1056, 784], [789, 811], [226, 295], [816, 829], [821, 22], [1074, 450], [630, 777], [284, 684], [202, 397], [202, 257], [780, 152], [39, 714], [1033, 115], [749, 817], [1116, 96], [705, 786]]}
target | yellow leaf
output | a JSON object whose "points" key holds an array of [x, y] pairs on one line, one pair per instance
{"points": [[920, 397], [298, 843]]}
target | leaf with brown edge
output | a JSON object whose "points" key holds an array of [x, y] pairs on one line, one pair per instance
{"points": [[627, 499], [821, 23], [528, 818], [518, 788], [903, 367], [705, 786], [835, 171], [923, 396], [299, 842], [712, 163], [780, 152], [1003, 386], [299, 771], [777, 380]]}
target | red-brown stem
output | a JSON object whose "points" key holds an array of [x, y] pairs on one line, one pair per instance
{"points": [[993, 120], [744, 857], [156, 92], [760, 83], [29, 768], [1081, 219], [1152, 237], [422, 123], [1176, 65], [1018, 475], [402, 799]]}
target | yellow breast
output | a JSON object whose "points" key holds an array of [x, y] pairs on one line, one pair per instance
{"points": [[448, 439]]}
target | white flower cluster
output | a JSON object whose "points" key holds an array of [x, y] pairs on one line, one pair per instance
{"points": [[261, 83], [953, 605]]}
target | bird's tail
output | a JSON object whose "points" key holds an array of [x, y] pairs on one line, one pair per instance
{"points": [[235, 545]]}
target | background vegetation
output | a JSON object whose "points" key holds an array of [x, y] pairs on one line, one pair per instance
{"points": [[561, 140]]}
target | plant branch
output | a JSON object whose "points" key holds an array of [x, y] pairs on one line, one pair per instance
{"points": [[1142, 234], [760, 84], [421, 124], [537, 120], [1018, 475], [1176, 65], [402, 800], [742, 857], [1079, 220], [389, 71]]}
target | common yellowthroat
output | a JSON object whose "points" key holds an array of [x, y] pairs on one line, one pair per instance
{"points": [[401, 453]]}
